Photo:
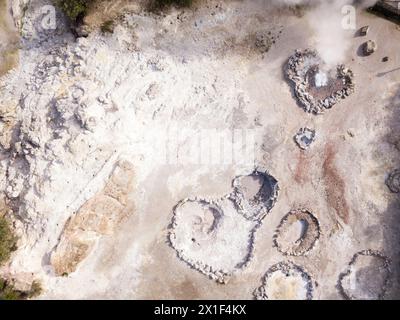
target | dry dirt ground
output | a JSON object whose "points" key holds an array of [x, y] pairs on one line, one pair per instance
{"points": [[8, 39], [201, 70]]}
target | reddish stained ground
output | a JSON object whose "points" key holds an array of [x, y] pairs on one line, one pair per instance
{"points": [[334, 185], [302, 168]]}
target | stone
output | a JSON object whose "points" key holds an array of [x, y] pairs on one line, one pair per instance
{"points": [[263, 42], [364, 31], [82, 31], [370, 47]]}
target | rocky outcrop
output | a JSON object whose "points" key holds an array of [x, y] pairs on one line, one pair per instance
{"points": [[97, 217]]}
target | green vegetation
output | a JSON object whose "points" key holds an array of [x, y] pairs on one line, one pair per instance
{"points": [[74, 9], [8, 244], [156, 5], [8, 241], [8, 292], [36, 289], [107, 26]]}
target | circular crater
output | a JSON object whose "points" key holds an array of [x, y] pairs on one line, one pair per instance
{"points": [[212, 237], [285, 281], [297, 233], [304, 138], [393, 181], [317, 86], [255, 194], [367, 276]]}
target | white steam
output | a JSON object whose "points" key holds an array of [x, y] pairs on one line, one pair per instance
{"points": [[328, 18], [331, 39], [321, 79]]}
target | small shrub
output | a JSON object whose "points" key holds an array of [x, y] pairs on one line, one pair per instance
{"points": [[36, 289], [157, 5], [298, 10], [8, 291], [8, 241], [74, 9], [107, 26]]}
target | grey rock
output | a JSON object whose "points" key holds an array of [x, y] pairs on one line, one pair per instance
{"points": [[364, 31], [370, 47]]}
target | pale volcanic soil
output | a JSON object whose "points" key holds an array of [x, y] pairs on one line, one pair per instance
{"points": [[93, 195]]}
